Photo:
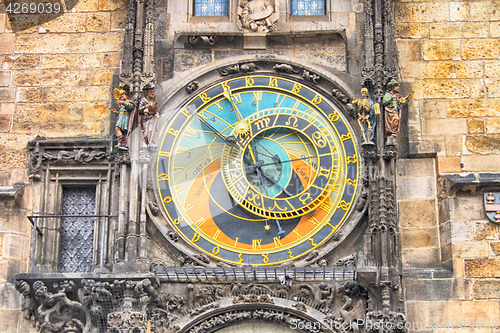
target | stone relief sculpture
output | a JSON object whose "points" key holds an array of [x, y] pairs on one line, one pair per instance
{"points": [[367, 119], [392, 107], [258, 15]]}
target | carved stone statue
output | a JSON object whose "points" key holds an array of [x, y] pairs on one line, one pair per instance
{"points": [[148, 117], [367, 118], [125, 115], [392, 107], [257, 15]]}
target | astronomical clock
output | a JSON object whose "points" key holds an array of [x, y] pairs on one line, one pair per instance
{"points": [[257, 169]]}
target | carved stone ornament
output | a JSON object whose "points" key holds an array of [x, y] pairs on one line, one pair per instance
{"points": [[285, 68], [310, 76], [243, 68], [207, 40], [191, 87], [258, 15]]}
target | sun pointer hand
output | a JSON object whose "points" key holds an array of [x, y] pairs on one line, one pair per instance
{"points": [[229, 140]]}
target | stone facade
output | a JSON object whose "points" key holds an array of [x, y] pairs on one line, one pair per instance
{"points": [[57, 75]]}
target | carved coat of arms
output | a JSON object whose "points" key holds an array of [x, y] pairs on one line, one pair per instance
{"points": [[492, 206]]}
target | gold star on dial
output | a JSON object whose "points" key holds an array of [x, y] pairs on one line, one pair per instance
{"points": [[267, 227]]}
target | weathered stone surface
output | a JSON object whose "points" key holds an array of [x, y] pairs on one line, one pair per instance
{"points": [[417, 213], [449, 164], [478, 89], [459, 11], [5, 123], [475, 126], [409, 50], [4, 79], [98, 22], [421, 257], [7, 94], [48, 112], [10, 319], [118, 20], [459, 30], [21, 61], [485, 230], [14, 246], [97, 42], [69, 22], [441, 50], [113, 5], [495, 248], [492, 125], [467, 207], [66, 94], [454, 145], [441, 311], [482, 144], [93, 60], [412, 31], [441, 89], [87, 6], [98, 93], [487, 289], [7, 108], [43, 43], [7, 43], [425, 12], [437, 289], [480, 49], [484, 11], [493, 87], [75, 78], [102, 77], [420, 167], [473, 108], [36, 78], [445, 126], [470, 69], [495, 29], [438, 70], [481, 163], [419, 237], [482, 268], [96, 111], [32, 95], [416, 188], [60, 61], [471, 249], [112, 60], [492, 69]]}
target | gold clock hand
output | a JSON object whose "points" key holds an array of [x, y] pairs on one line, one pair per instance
{"points": [[227, 93]]}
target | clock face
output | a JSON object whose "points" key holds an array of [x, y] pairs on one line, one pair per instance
{"points": [[257, 170]]}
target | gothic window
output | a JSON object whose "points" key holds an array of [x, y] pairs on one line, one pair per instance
{"points": [[77, 233], [308, 7], [210, 7]]}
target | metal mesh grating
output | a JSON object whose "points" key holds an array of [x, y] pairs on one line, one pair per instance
{"points": [[77, 233]]}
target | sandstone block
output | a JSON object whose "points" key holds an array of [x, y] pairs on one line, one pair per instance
{"points": [[32, 95], [14, 246], [410, 69], [459, 11], [445, 126], [495, 248], [7, 43], [113, 5], [69, 22], [7, 94], [454, 145], [420, 167], [487, 289], [493, 125], [87, 6], [470, 69], [495, 29], [449, 164], [36, 78], [3, 17], [476, 125], [5, 123], [416, 188], [4, 79], [9, 320], [421, 257], [485, 230], [60, 61], [459, 30], [493, 87], [438, 70], [466, 207], [482, 144], [425, 12], [7, 108], [66, 94], [93, 60], [477, 89], [419, 237], [441, 49], [102, 77], [96, 111], [43, 43], [437, 289], [482, 163], [492, 68], [25, 23], [409, 50], [417, 213], [411, 31], [484, 11], [471, 249], [98, 93], [449, 89], [112, 60], [99, 22], [481, 49], [97, 42], [22, 61], [75, 78], [482, 268], [474, 108]]}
